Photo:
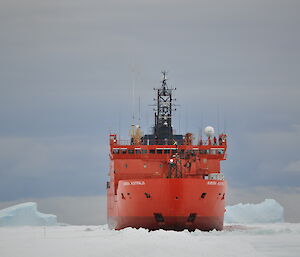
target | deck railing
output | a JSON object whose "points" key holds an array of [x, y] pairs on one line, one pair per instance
{"points": [[167, 142]]}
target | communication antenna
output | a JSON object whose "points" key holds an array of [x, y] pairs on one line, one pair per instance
{"points": [[218, 114], [147, 119], [186, 119], [139, 111], [179, 116], [133, 93], [119, 123], [224, 122], [201, 125]]}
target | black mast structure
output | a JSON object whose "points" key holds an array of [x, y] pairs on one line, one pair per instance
{"points": [[163, 130]]}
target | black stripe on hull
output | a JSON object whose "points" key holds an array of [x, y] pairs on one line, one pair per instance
{"points": [[177, 223]]}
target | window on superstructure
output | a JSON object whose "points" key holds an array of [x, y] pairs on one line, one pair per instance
{"points": [[174, 151], [213, 151], [167, 151], [144, 151], [123, 151], [159, 151], [221, 151], [116, 151], [138, 151], [152, 151], [131, 151]]}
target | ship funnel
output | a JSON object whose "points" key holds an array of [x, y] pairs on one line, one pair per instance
{"points": [[209, 131]]}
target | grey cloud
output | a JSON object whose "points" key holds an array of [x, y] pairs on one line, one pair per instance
{"points": [[51, 166], [293, 166], [66, 82]]}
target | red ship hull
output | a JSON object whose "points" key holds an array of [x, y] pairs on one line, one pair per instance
{"points": [[175, 204]]}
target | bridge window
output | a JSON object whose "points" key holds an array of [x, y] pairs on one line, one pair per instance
{"points": [[130, 151], [116, 150], [144, 151], [138, 151], [213, 151], [167, 151], [159, 151], [124, 151], [152, 151], [221, 151]]}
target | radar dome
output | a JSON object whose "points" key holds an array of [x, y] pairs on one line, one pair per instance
{"points": [[209, 131]]}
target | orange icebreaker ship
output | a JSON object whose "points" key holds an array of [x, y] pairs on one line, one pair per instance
{"points": [[163, 180]]}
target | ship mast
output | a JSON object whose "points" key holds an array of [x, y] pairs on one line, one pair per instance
{"points": [[163, 129]]}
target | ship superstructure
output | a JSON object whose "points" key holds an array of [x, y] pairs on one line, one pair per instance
{"points": [[163, 180]]}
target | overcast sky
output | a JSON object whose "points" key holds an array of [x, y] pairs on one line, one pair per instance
{"points": [[66, 76]]}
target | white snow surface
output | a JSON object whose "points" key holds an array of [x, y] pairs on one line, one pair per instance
{"points": [[26, 214], [268, 211], [276, 240]]}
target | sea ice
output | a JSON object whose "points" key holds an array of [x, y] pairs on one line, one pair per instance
{"points": [[268, 211], [25, 214], [259, 240]]}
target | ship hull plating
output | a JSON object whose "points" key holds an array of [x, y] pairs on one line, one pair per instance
{"points": [[174, 204]]}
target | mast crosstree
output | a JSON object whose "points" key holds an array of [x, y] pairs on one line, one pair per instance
{"points": [[163, 113]]}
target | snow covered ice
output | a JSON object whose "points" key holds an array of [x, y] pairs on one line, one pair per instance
{"points": [[268, 211], [242, 240], [25, 214], [276, 240]]}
